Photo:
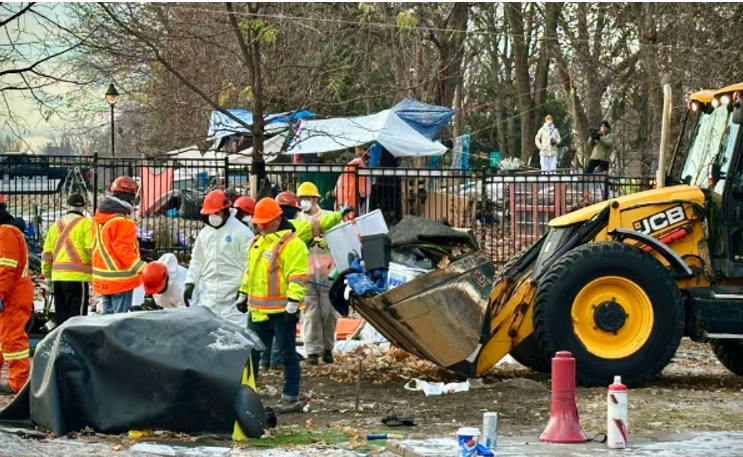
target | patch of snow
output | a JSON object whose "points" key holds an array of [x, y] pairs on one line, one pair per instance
{"points": [[229, 340]]}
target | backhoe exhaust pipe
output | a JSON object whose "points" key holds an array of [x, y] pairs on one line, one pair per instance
{"points": [[665, 128]]}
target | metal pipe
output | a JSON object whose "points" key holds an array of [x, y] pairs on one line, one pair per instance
{"points": [[664, 134]]}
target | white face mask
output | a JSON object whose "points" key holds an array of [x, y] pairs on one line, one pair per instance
{"points": [[215, 220], [306, 205], [247, 219]]}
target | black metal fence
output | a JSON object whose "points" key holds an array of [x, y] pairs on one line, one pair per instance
{"points": [[507, 212]]}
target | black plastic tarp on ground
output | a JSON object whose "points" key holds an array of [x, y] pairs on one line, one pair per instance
{"points": [[176, 370]]}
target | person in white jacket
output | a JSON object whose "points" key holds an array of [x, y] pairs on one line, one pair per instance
{"points": [[547, 140], [165, 280], [219, 259]]}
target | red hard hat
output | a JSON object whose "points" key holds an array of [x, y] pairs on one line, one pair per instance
{"points": [[124, 184], [246, 204], [266, 210], [214, 202], [288, 199], [154, 276]]}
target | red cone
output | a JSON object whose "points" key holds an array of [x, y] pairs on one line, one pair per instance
{"points": [[564, 425]]}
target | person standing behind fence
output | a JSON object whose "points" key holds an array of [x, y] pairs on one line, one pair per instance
{"points": [[602, 141], [116, 261], [547, 140], [346, 188], [66, 263], [319, 316], [219, 257], [16, 301]]}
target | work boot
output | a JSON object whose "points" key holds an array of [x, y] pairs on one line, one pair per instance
{"points": [[6, 390], [327, 356], [313, 359]]}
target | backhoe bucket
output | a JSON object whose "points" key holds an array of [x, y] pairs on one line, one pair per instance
{"points": [[439, 316]]}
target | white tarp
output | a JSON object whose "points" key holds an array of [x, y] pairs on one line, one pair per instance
{"points": [[271, 149], [385, 127]]}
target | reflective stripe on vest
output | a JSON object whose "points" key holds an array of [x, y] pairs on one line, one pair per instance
{"points": [[112, 271], [274, 266], [63, 241], [16, 355], [316, 228]]}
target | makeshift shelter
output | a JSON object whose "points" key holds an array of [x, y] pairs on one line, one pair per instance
{"points": [[385, 127], [426, 119]]}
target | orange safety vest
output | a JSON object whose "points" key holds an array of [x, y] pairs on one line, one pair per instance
{"points": [[116, 262]]}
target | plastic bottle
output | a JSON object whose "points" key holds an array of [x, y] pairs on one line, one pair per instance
{"points": [[616, 415]]}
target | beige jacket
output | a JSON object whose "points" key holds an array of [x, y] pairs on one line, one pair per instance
{"points": [[544, 143]]}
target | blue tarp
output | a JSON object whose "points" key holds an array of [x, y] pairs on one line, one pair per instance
{"points": [[424, 118], [221, 126]]}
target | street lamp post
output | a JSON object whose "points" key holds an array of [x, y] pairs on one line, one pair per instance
{"points": [[111, 96]]}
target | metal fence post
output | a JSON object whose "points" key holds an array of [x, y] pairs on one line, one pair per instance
{"points": [[357, 196], [226, 172], [483, 209], [94, 169]]}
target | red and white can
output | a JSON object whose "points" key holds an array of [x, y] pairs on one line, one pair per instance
{"points": [[616, 415]]}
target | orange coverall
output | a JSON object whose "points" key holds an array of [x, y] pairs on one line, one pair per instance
{"points": [[17, 295]]}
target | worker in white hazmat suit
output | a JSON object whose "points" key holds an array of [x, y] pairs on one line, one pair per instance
{"points": [[165, 280], [219, 259]]}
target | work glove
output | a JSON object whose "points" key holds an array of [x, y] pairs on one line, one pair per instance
{"points": [[321, 243], [346, 210], [187, 294], [291, 312], [242, 302]]}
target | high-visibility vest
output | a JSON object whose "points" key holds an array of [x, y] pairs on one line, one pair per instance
{"points": [[116, 262], [321, 262], [66, 254], [277, 272], [313, 227]]}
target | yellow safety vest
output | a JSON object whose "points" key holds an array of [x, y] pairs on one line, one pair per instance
{"points": [[277, 272], [306, 230], [66, 254]]}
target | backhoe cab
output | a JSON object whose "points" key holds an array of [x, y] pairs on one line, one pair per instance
{"points": [[618, 283]]}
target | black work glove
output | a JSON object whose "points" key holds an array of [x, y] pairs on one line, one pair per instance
{"points": [[187, 294], [241, 303]]}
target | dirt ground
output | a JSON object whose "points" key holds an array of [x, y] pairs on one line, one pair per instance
{"points": [[694, 393]]}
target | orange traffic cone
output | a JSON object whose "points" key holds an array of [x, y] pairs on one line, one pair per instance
{"points": [[564, 425]]}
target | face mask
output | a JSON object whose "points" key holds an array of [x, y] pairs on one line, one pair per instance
{"points": [[247, 219], [306, 205], [215, 220]]}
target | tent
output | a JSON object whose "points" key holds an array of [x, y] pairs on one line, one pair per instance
{"points": [[271, 149], [424, 118], [385, 127], [221, 125]]}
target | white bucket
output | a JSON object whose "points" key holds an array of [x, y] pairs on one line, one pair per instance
{"points": [[342, 238]]}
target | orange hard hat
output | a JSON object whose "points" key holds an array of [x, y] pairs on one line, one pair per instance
{"points": [[287, 198], [154, 276], [124, 184], [246, 204], [266, 210], [214, 202]]}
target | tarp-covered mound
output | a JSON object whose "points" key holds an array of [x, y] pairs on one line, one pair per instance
{"points": [[176, 370]]}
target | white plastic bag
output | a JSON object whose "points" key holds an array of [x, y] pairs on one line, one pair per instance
{"points": [[435, 389]]}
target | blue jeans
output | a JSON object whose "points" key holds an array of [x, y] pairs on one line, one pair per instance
{"points": [[117, 303], [284, 330], [271, 355]]}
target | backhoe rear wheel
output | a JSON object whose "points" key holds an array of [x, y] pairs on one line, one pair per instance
{"points": [[615, 307], [730, 354]]}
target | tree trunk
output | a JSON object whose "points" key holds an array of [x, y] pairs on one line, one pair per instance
{"points": [[521, 67]]}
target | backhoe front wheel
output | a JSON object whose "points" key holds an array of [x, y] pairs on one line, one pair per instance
{"points": [[615, 308]]}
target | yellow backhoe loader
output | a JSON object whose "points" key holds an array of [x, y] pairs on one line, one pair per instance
{"points": [[618, 283]]}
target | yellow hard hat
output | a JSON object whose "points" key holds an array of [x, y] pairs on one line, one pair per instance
{"points": [[307, 189]]}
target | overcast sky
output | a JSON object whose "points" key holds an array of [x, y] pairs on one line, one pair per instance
{"points": [[29, 35]]}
